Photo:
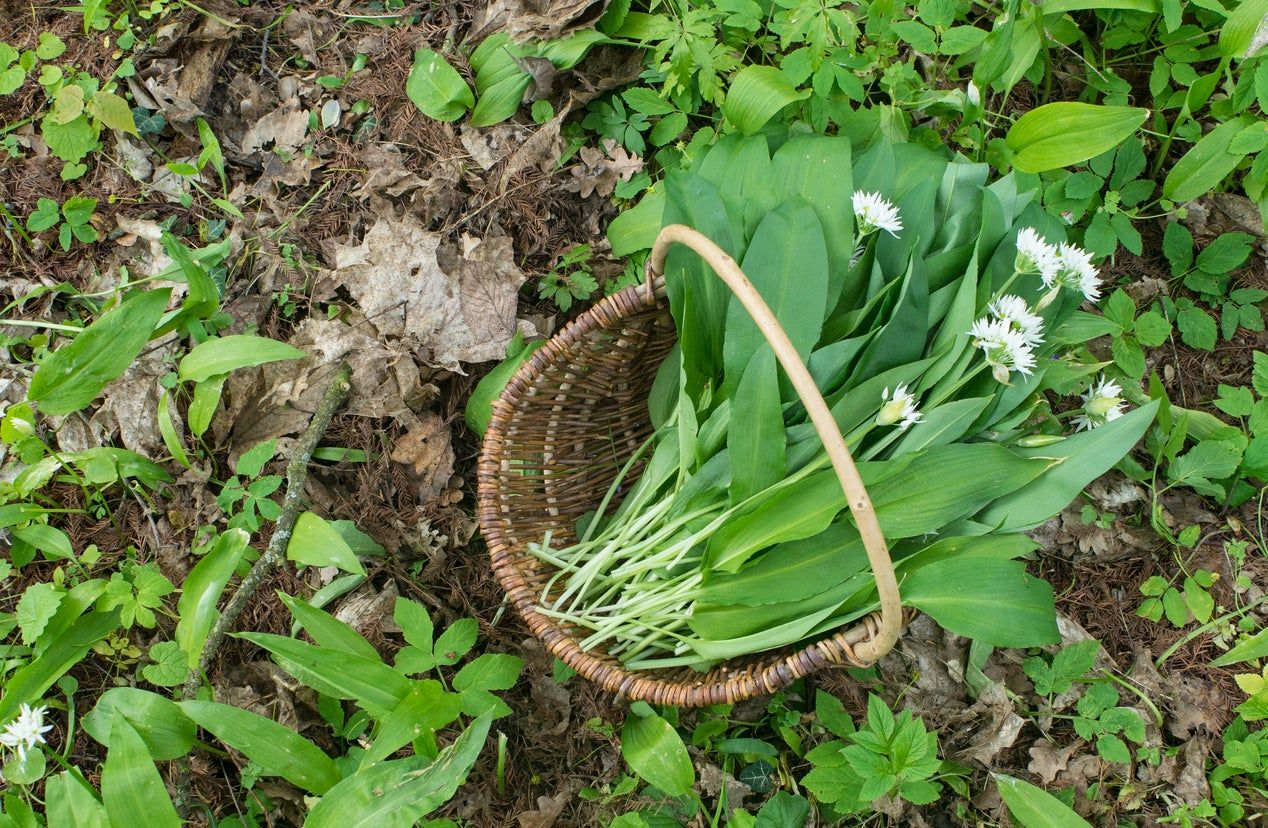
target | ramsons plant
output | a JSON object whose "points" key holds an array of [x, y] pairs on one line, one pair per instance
{"points": [[927, 304]]}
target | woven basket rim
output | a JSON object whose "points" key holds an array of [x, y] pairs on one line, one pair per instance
{"points": [[766, 672]]}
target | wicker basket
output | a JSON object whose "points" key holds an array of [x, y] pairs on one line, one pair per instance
{"points": [[574, 413]]}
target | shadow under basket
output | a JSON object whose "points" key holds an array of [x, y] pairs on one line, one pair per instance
{"points": [[572, 415]]}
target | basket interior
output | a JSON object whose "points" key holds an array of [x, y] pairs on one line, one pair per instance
{"points": [[561, 431]]}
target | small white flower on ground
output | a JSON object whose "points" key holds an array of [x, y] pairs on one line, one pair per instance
{"points": [[1015, 311], [973, 94], [1101, 404], [899, 408], [1034, 254], [873, 212], [1003, 346], [26, 730]]}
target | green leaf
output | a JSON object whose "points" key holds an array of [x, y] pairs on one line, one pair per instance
{"points": [[36, 607], [50, 46], [1060, 134], [229, 353], [371, 683], [73, 375], [756, 441], [29, 683], [1239, 30], [480, 404], [986, 599], [436, 88], [327, 630], [201, 592], [167, 732], [70, 141], [831, 714], [1083, 458], [420, 714], [71, 801], [403, 791], [1226, 253], [1205, 165], [787, 262], [133, 791], [169, 665], [490, 671], [113, 111], [1197, 328], [757, 93], [501, 100], [1034, 807], [456, 641], [1152, 329], [316, 543], [1249, 649], [278, 750], [655, 751], [1208, 461]]}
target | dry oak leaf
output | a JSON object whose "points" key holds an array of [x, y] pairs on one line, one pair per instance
{"points": [[548, 810], [284, 128], [427, 449], [458, 304], [599, 170]]}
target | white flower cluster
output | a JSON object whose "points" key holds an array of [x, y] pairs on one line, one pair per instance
{"points": [[1008, 337], [1101, 404], [873, 212], [26, 730], [1063, 266], [899, 408]]}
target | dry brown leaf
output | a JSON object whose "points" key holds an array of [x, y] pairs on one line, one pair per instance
{"points": [[548, 810], [536, 19], [600, 169], [1047, 760], [459, 305], [428, 451], [542, 150], [999, 731], [284, 129], [366, 608], [129, 405], [385, 172], [487, 147], [279, 398]]}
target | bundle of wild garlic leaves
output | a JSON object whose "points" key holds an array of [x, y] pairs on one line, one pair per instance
{"points": [[931, 308]]}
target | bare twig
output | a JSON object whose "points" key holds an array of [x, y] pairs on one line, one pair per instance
{"points": [[296, 475]]}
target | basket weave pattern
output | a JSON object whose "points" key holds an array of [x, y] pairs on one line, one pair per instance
{"points": [[560, 431]]}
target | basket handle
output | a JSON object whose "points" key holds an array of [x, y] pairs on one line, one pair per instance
{"points": [[891, 614]]}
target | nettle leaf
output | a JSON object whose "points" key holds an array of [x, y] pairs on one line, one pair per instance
{"points": [[1226, 253], [436, 88], [1068, 665], [37, 606], [1197, 328], [1259, 377], [1152, 329], [1209, 460]]}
